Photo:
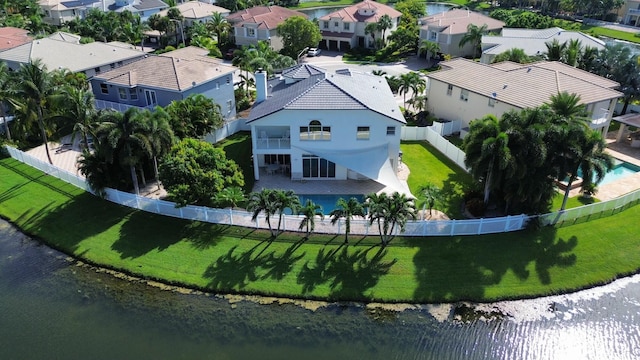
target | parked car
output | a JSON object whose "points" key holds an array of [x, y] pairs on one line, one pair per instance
{"points": [[313, 52]]}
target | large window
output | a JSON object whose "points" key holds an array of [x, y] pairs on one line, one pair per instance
{"points": [[346, 26], [133, 94], [315, 167], [315, 131], [123, 93], [433, 36], [325, 25], [363, 133], [104, 88], [251, 32]]}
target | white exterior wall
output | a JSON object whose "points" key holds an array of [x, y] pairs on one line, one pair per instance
{"points": [[344, 125]]}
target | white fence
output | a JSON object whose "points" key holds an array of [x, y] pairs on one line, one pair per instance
{"points": [[443, 145], [358, 227]]}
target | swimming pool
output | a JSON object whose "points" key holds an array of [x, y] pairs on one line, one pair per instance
{"points": [[620, 170], [327, 201]]}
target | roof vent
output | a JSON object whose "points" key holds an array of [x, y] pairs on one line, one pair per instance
{"points": [[193, 83], [494, 94], [504, 86], [529, 69]]}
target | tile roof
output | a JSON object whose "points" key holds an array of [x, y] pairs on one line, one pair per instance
{"points": [[177, 70], [525, 86], [302, 71], [456, 21], [267, 17], [57, 54], [358, 13], [343, 90], [197, 10], [533, 41], [11, 37]]}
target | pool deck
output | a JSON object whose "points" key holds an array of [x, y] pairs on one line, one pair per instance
{"points": [[621, 151]]}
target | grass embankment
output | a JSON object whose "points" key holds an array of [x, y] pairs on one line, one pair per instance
{"points": [[232, 259]]}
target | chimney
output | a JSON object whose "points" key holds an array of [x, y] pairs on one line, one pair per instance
{"points": [[261, 85]]}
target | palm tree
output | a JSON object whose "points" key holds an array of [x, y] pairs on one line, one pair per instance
{"points": [[127, 131], [514, 55], [390, 212], [286, 199], [5, 93], [572, 52], [265, 202], [555, 50], [219, 26], [78, 107], [309, 210], [371, 29], [384, 23], [34, 88], [567, 105], [159, 134], [473, 37], [431, 194], [429, 48], [488, 155], [347, 209], [229, 196]]}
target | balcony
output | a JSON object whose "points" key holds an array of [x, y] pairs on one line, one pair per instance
{"points": [[103, 104], [273, 143], [633, 12]]}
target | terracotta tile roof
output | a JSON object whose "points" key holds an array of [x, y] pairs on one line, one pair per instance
{"points": [[525, 86], [176, 70], [267, 17], [11, 37], [456, 21], [355, 13]]}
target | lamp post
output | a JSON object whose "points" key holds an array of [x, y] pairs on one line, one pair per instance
{"points": [[181, 31]]}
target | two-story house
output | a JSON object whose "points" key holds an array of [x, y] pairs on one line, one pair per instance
{"points": [[630, 12], [143, 8], [157, 80], [197, 12], [64, 51], [315, 125], [466, 90], [58, 12], [447, 29], [260, 23], [345, 29]]}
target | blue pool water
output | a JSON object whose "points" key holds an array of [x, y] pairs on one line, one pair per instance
{"points": [[619, 171], [328, 202]]}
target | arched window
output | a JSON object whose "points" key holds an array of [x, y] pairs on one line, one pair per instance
{"points": [[315, 131]]}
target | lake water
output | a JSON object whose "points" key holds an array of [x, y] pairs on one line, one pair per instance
{"points": [[432, 9], [55, 309]]}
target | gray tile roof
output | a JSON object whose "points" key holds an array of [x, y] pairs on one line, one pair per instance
{"points": [[346, 90], [302, 71], [176, 70], [525, 86], [533, 41]]}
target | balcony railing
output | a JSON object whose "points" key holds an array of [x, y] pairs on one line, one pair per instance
{"points": [[274, 143], [103, 104], [634, 12]]}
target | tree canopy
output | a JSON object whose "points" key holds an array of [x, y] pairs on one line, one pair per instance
{"points": [[194, 171], [195, 116], [297, 33]]}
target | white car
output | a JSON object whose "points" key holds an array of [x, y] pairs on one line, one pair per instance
{"points": [[313, 52]]}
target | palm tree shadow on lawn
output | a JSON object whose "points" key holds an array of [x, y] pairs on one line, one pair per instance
{"points": [[483, 261], [235, 269]]}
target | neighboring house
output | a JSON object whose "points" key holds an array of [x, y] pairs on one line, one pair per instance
{"points": [[260, 23], [197, 12], [157, 80], [532, 41], [11, 37], [630, 12], [345, 29], [64, 51], [449, 27], [466, 90], [58, 12], [315, 125]]}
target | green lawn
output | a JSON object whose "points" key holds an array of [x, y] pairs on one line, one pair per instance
{"points": [[238, 148], [233, 259]]}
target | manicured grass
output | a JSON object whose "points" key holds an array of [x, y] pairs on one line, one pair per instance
{"points": [[238, 148], [610, 33], [428, 165], [572, 202], [233, 259]]}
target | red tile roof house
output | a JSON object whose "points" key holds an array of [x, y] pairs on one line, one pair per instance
{"points": [[447, 29], [11, 37], [260, 23], [344, 29]]}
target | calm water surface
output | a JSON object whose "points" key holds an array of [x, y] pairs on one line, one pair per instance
{"points": [[53, 309]]}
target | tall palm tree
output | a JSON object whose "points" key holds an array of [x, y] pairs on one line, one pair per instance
{"points": [[372, 29], [431, 194], [78, 108], [286, 199], [390, 213], [473, 36], [347, 209], [127, 132], [384, 23], [487, 153], [567, 105], [265, 202], [572, 52], [309, 210], [429, 48], [219, 26], [159, 134], [34, 88]]}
